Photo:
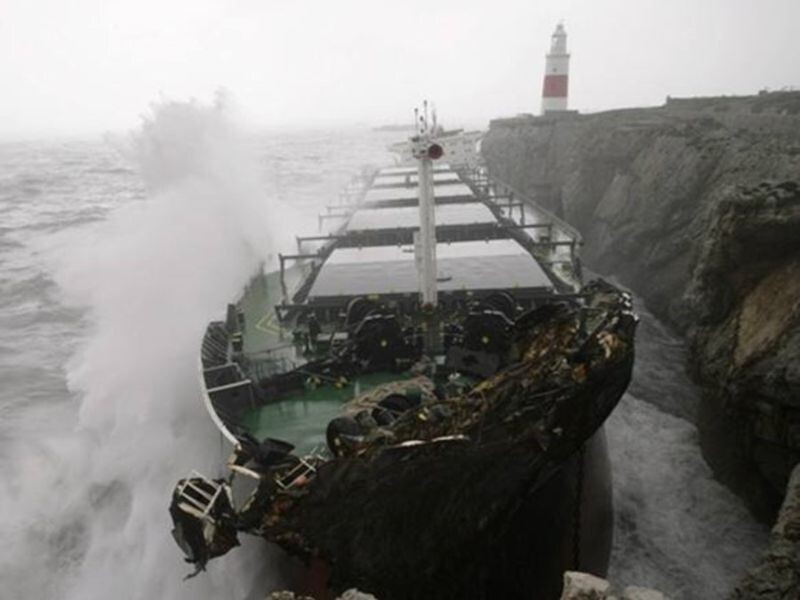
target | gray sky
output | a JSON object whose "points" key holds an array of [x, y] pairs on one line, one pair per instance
{"points": [[74, 66]]}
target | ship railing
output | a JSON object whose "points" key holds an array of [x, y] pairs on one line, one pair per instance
{"points": [[230, 386], [316, 258], [269, 366], [302, 239], [225, 389], [305, 469], [211, 409], [298, 476], [557, 248], [354, 190], [321, 218], [284, 258], [350, 197], [493, 187], [395, 236], [194, 499], [214, 348]]}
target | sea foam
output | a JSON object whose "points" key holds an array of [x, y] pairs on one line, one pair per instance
{"points": [[151, 276]]}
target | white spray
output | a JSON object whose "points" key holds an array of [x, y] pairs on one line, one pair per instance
{"points": [[152, 276]]}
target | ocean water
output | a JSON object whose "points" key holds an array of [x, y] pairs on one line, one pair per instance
{"points": [[676, 528], [115, 252]]}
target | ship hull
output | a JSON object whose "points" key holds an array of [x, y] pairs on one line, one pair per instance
{"points": [[572, 511], [412, 450], [566, 525], [464, 521]]}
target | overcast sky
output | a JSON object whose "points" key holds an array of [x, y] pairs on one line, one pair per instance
{"points": [[81, 66]]}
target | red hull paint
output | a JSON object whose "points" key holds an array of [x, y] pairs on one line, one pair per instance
{"points": [[555, 86]]}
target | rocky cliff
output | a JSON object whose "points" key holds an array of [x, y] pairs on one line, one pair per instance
{"points": [[696, 206], [777, 576]]}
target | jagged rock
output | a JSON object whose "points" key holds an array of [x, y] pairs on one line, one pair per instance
{"points": [[777, 576], [747, 345], [696, 206], [583, 586], [354, 594], [788, 524]]}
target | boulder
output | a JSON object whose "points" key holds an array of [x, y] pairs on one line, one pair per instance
{"points": [[584, 586]]}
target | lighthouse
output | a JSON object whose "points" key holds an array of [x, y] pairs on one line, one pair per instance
{"points": [[556, 73]]}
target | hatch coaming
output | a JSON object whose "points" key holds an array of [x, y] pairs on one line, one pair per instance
{"points": [[411, 178], [410, 193], [477, 266], [488, 247]]}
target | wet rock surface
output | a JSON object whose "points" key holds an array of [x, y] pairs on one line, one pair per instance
{"points": [[285, 595], [745, 295], [696, 206], [583, 586], [777, 576], [352, 594]]}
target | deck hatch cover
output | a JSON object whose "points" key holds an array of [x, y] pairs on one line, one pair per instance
{"points": [[446, 190], [408, 216], [481, 265], [439, 167], [439, 178]]}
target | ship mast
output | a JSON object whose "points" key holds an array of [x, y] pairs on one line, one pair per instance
{"points": [[427, 233], [425, 150]]}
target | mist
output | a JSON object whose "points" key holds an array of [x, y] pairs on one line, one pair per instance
{"points": [[90, 66], [148, 279], [170, 150]]}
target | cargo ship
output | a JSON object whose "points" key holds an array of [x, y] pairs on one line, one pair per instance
{"points": [[414, 401]]}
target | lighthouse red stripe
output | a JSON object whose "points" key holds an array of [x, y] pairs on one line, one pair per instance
{"points": [[555, 86]]}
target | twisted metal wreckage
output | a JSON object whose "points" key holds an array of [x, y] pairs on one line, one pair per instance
{"points": [[411, 462]]}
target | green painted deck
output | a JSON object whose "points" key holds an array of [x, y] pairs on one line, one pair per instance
{"points": [[301, 418], [297, 422], [261, 328]]}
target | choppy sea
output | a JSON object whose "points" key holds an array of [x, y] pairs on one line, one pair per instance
{"points": [[116, 251]]}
